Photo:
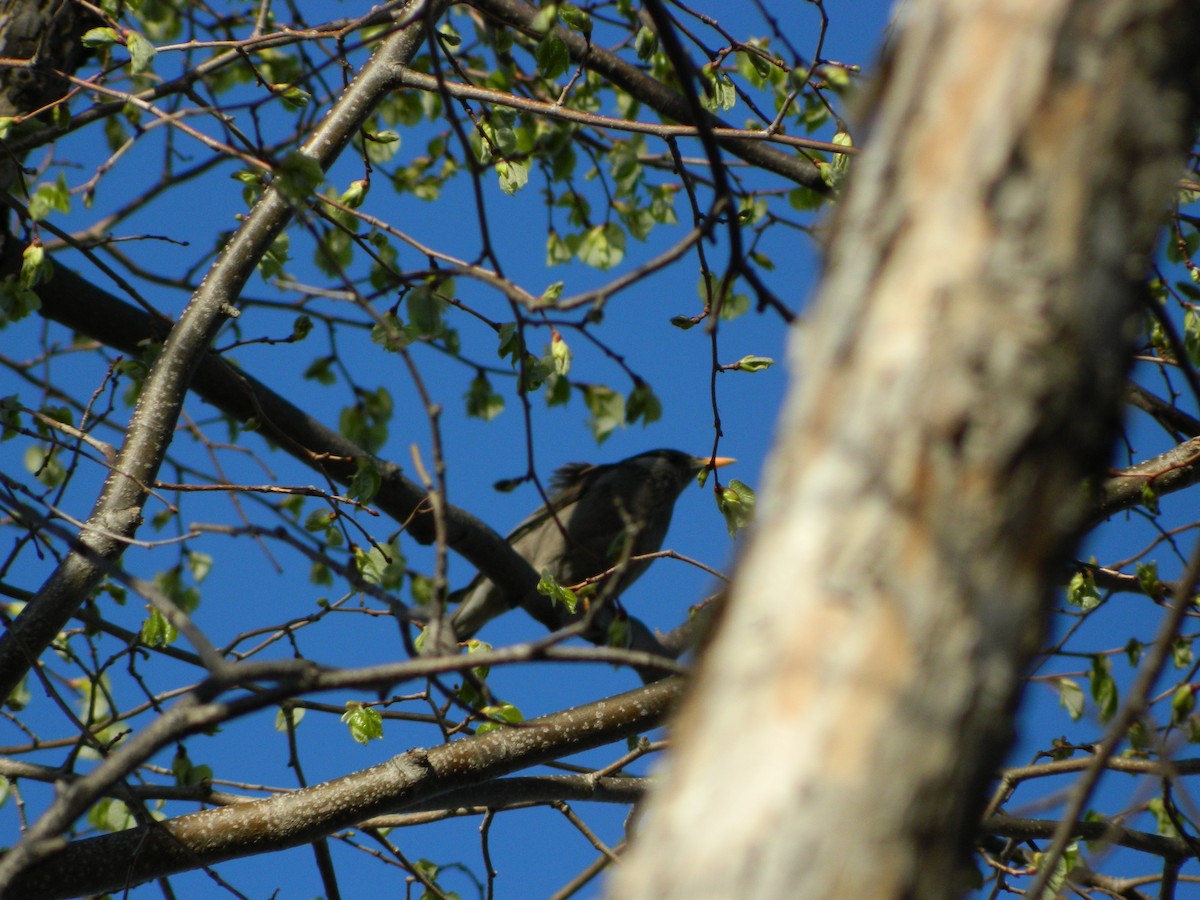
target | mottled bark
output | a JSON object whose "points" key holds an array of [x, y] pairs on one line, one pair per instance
{"points": [[927, 480], [114, 862]]}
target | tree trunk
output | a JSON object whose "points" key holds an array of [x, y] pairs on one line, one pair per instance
{"points": [[927, 478]]}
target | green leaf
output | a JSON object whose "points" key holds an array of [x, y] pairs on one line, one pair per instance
{"points": [[364, 722], [734, 306], [1147, 578], [558, 390], [381, 565], [499, 716], [36, 266], [287, 716], [199, 565], [141, 52], [841, 161], [642, 404], [366, 481], [1191, 335], [171, 582], [721, 91], [1149, 498], [354, 195], [496, 138], [763, 260], [425, 309], [1070, 697], [100, 37], [187, 774], [513, 175], [1166, 827], [1062, 868], [805, 199], [1104, 688], [607, 409], [510, 341], [1181, 653], [19, 698], [553, 58], [318, 573], [365, 422], [276, 257], [754, 363], [625, 165], [646, 43], [10, 416], [619, 633], [1082, 592], [298, 175], [293, 97], [558, 249], [1139, 737], [157, 631], [389, 333], [754, 68], [421, 589], [534, 373], [111, 815], [321, 370], [1133, 650], [43, 463], [575, 18], [301, 327], [602, 246], [560, 354], [49, 198], [1183, 701], [835, 76], [544, 20], [548, 586], [736, 501], [334, 251], [551, 294], [482, 401]]}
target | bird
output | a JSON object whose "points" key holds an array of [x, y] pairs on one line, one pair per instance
{"points": [[581, 533]]}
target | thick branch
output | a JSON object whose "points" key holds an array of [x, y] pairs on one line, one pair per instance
{"points": [[81, 306], [1104, 832], [1174, 470], [412, 779]]}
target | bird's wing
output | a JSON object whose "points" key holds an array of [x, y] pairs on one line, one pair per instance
{"points": [[571, 474], [566, 485]]}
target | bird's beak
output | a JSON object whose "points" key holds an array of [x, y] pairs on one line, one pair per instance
{"points": [[718, 461]]}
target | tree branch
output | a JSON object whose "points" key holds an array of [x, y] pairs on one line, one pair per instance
{"points": [[116, 861], [118, 511], [656, 95]]}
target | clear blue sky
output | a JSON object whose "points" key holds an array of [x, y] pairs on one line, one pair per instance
{"points": [[243, 588]]}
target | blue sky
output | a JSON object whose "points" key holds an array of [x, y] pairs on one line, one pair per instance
{"points": [[245, 589]]}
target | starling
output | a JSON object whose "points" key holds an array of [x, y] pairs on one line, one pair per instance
{"points": [[582, 531]]}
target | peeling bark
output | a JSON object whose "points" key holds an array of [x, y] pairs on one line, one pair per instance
{"points": [[925, 485]]}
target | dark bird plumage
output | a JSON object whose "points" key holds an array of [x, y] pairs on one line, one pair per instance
{"points": [[581, 532]]}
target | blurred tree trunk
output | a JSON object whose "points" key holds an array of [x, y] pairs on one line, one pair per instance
{"points": [[959, 380], [46, 34]]}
